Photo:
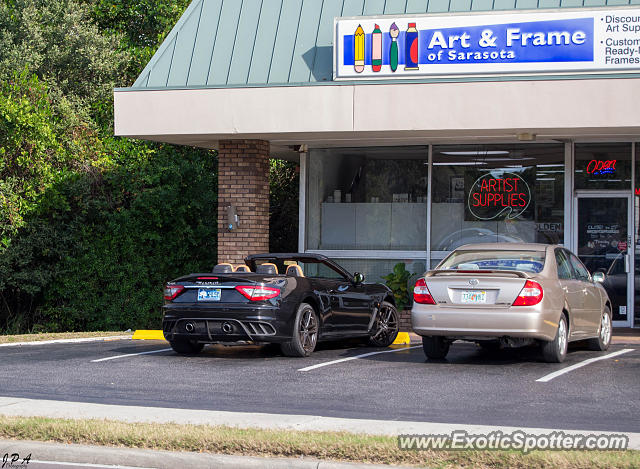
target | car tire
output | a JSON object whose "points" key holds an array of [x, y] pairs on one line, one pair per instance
{"points": [[491, 346], [555, 351], [435, 347], [601, 343], [385, 327], [186, 347], [305, 333]]}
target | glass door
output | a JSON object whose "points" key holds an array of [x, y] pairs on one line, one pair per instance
{"points": [[603, 244]]}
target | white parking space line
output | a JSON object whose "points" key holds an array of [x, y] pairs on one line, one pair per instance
{"points": [[333, 362], [563, 371], [129, 355], [85, 464]]}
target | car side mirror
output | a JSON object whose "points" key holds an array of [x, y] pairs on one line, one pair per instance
{"points": [[598, 277], [358, 278]]}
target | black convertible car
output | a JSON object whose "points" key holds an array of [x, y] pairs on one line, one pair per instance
{"points": [[290, 299]]}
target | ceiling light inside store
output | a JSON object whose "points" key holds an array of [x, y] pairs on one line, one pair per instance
{"points": [[475, 153], [510, 159], [460, 163]]}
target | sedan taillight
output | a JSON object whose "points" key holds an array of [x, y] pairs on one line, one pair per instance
{"points": [[258, 292], [421, 293], [530, 295], [171, 291]]}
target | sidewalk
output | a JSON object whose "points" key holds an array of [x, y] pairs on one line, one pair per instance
{"points": [[103, 456], [17, 406], [626, 335]]}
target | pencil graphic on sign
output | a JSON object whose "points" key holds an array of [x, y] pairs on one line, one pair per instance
{"points": [[376, 49], [358, 49]]}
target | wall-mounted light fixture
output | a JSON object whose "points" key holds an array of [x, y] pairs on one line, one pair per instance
{"points": [[526, 137], [232, 218]]}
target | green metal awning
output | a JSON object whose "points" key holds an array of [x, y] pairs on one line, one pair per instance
{"points": [[231, 43]]}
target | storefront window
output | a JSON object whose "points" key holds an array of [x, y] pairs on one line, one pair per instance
{"points": [[497, 194], [375, 269], [636, 218], [603, 166], [367, 199]]}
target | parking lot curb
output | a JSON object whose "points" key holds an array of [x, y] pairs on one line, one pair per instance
{"points": [[103, 456], [402, 338], [79, 340], [148, 335]]}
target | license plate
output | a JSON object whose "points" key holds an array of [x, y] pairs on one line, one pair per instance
{"points": [[208, 294], [474, 297]]}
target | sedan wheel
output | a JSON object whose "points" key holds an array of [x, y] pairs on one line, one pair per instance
{"points": [[555, 350], [385, 327], [603, 340], [305, 333], [435, 348]]}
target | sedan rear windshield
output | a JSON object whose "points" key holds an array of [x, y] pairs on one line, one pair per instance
{"points": [[524, 261]]}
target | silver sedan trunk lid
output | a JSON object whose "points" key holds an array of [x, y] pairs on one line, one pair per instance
{"points": [[475, 289]]}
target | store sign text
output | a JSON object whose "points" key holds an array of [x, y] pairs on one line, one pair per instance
{"points": [[533, 42], [492, 197], [599, 167]]}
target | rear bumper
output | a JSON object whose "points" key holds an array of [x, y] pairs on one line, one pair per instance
{"points": [[523, 322], [232, 324]]}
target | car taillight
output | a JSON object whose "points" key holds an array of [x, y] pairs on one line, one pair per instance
{"points": [[530, 295], [258, 292], [421, 293], [171, 291]]}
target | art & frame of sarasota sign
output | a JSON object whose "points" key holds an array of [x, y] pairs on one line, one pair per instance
{"points": [[531, 42]]}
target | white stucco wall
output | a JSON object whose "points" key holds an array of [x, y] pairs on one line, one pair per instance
{"points": [[376, 113]]}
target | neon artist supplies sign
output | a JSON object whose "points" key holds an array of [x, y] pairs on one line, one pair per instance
{"points": [[491, 197], [387, 47]]}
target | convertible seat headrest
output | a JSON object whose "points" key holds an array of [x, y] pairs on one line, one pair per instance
{"points": [[224, 268], [242, 268], [268, 268], [295, 271]]}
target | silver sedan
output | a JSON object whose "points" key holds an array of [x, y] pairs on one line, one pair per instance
{"points": [[511, 295]]}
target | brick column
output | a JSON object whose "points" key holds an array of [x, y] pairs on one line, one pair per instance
{"points": [[243, 181], [404, 320]]}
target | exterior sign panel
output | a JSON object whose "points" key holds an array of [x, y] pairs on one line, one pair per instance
{"points": [[533, 42]]}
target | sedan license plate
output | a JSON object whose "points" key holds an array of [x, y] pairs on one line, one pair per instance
{"points": [[208, 294], [474, 297]]}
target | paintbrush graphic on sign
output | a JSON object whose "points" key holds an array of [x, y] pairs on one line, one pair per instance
{"points": [[393, 48]]}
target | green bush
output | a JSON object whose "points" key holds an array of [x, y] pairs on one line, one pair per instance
{"points": [[398, 282], [90, 226]]}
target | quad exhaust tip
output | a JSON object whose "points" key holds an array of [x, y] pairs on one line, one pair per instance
{"points": [[190, 327], [227, 328]]}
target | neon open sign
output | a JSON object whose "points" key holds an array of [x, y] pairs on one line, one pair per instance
{"points": [[599, 167], [491, 197]]}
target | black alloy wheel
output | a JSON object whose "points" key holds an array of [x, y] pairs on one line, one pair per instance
{"points": [[305, 333], [385, 327]]}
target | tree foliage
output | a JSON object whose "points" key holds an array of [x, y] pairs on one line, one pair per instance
{"points": [[90, 225], [283, 203]]}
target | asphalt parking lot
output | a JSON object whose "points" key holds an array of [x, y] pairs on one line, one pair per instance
{"points": [[471, 387]]}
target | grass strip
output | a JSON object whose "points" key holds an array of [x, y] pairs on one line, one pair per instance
{"points": [[5, 339], [340, 446]]}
